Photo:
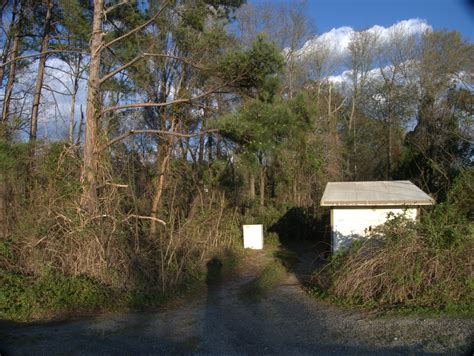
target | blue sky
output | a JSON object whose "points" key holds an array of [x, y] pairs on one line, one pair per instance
{"points": [[362, 14]]}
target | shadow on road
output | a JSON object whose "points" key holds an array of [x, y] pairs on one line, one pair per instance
{"points": [[306, 235], [214, 272]]}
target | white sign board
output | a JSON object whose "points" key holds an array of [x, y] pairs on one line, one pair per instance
{"points": [[253, 237]]}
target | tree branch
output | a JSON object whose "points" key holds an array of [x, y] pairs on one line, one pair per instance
{"points": [[138, 28], [40, 54], [143, 55], [113, 7], [147, 218], [155, 132], [176, 101], [119, 69]]}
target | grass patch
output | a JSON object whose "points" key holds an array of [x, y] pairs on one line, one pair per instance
{"points": [[265, 281], [272, 239], [231, 260], [288, 258]]}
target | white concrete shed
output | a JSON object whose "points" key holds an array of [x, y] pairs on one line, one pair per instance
{"points": [[357, 207]]}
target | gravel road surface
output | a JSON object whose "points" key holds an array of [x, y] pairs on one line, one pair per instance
{"points": [[287, 322]]}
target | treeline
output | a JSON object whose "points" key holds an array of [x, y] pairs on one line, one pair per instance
{"points": [[201, 115]]}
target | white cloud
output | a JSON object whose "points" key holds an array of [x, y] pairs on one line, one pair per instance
{"points": [[411, 27], [336, 41], [56, 103]]}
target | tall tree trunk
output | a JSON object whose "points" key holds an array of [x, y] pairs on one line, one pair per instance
{"points": [[184, 150], [218, 148], [210, 140], [329, 101], [90, 165], [73, 100], [251, 186], [161, 168], [79, 128], [354, 148], [11, 79], [71, 118], [295, 191], [4, 57], [3, 206], [8, 39], [4, 135], [40, 74], [262, 185], [352, 127], [201, 149], [389, 150]]}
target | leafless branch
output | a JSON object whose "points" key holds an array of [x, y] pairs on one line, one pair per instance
{"points": [[172, 102], [156, 132], [147, 218], [117, 185], [70, 73], [40, 54]]}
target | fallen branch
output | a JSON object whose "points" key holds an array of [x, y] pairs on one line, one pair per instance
{"points": [[117, 185], [146, 218]]}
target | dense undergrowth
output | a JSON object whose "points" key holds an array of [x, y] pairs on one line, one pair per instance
{"points": [[56, 260], [408, 265], [56, 295]]}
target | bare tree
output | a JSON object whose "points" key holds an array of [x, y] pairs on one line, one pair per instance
{"points": [[13, 33], [12, 69], [285, 24], [391, 96], [40, 73], [362, 51]]}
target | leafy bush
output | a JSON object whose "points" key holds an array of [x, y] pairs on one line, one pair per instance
{"points": [[461, 194], [23, 296], [272, 239]]}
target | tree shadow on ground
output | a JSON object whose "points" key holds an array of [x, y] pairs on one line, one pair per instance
{"points": [[304, 237]]}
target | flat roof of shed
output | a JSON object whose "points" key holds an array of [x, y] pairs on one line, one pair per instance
{"points": [[383, 193]]}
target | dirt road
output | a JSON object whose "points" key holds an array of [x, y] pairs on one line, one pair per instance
{"points": [[287, 321]]}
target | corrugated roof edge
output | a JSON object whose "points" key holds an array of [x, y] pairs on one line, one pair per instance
{"points": [[392, 203], [405, 203]]}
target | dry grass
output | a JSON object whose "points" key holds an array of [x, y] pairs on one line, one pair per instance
{"points": [[49, 232], [403, 269]]}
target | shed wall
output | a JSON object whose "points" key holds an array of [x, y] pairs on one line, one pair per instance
{"points": [[349, 224]]}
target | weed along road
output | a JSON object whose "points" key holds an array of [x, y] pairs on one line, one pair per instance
{"points": [[283, 319]]}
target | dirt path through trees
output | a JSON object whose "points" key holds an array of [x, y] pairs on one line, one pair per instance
{"points": [[221, 321]]}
